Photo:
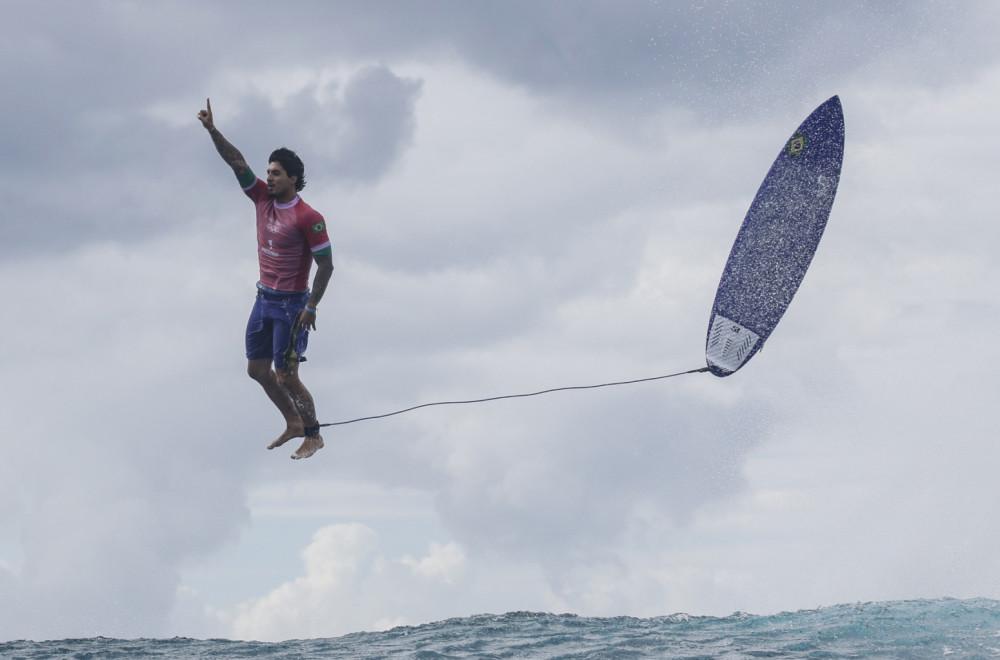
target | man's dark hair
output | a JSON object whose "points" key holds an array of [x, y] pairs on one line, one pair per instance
{"points": [[292, 165]]}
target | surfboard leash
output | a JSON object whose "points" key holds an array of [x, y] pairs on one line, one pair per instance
{"points": [[290, 353], [516, 396]]}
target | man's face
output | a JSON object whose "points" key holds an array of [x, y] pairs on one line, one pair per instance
{"points": [[280, 186]]}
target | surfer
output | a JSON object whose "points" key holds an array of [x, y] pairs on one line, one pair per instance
{"points": [[290, 236]]}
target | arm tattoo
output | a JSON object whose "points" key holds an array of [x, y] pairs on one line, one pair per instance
{"points": [[324, 269], [229, 153]]}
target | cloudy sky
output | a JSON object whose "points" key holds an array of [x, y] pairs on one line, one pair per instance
{"points": [[522, 195]]}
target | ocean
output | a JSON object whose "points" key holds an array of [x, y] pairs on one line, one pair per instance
{"points": [[944, 628]]}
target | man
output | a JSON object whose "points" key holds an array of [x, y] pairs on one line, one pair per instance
{"points": [[290, 236]]}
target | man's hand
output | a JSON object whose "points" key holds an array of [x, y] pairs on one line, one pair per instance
{"points": [[205, 116], [307, 319]]}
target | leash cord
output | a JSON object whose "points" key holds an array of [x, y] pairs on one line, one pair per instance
{"points": [[515, 396]]}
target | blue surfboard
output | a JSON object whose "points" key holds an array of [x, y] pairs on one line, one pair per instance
{"points": [[777, 240]]}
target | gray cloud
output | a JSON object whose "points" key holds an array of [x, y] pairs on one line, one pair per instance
{"points": [[77, 129], [127, 177], [726, 59], [378, 112], [352, 130]]}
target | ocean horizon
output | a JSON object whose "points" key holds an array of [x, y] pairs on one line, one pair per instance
{"points": [[937, 628]]}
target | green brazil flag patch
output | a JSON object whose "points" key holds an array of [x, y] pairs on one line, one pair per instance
{"points": [[318, 227]]}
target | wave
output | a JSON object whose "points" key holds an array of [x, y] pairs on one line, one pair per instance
{"points": [[897, 629]]}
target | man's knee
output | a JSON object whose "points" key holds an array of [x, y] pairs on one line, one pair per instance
{"points": [[287, 377], [259, 370]]}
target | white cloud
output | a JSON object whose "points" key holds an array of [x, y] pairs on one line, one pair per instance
{"points": [[445, 562], [313, 604], [347, 585]]}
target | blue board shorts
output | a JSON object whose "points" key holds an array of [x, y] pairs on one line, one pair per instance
{"points": [[269, 328]]}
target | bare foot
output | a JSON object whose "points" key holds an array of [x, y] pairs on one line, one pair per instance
{"points": [[310, 446], [293, 431]]}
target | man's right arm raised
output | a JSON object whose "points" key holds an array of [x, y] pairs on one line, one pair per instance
{"points": [[229, 153]]}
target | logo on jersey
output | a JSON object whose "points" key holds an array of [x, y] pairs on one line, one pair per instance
{"points": [[318, 227], [269, 250]]}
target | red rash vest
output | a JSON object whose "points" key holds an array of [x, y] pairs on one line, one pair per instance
{"points": [[288, 235]]}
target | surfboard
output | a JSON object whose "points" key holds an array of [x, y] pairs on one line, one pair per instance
{"points": [[777, 240]]}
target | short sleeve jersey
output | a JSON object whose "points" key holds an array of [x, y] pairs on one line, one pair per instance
{"points": [[288, 235]]}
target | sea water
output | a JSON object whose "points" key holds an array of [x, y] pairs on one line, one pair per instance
{"points": [[945, 628]]}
